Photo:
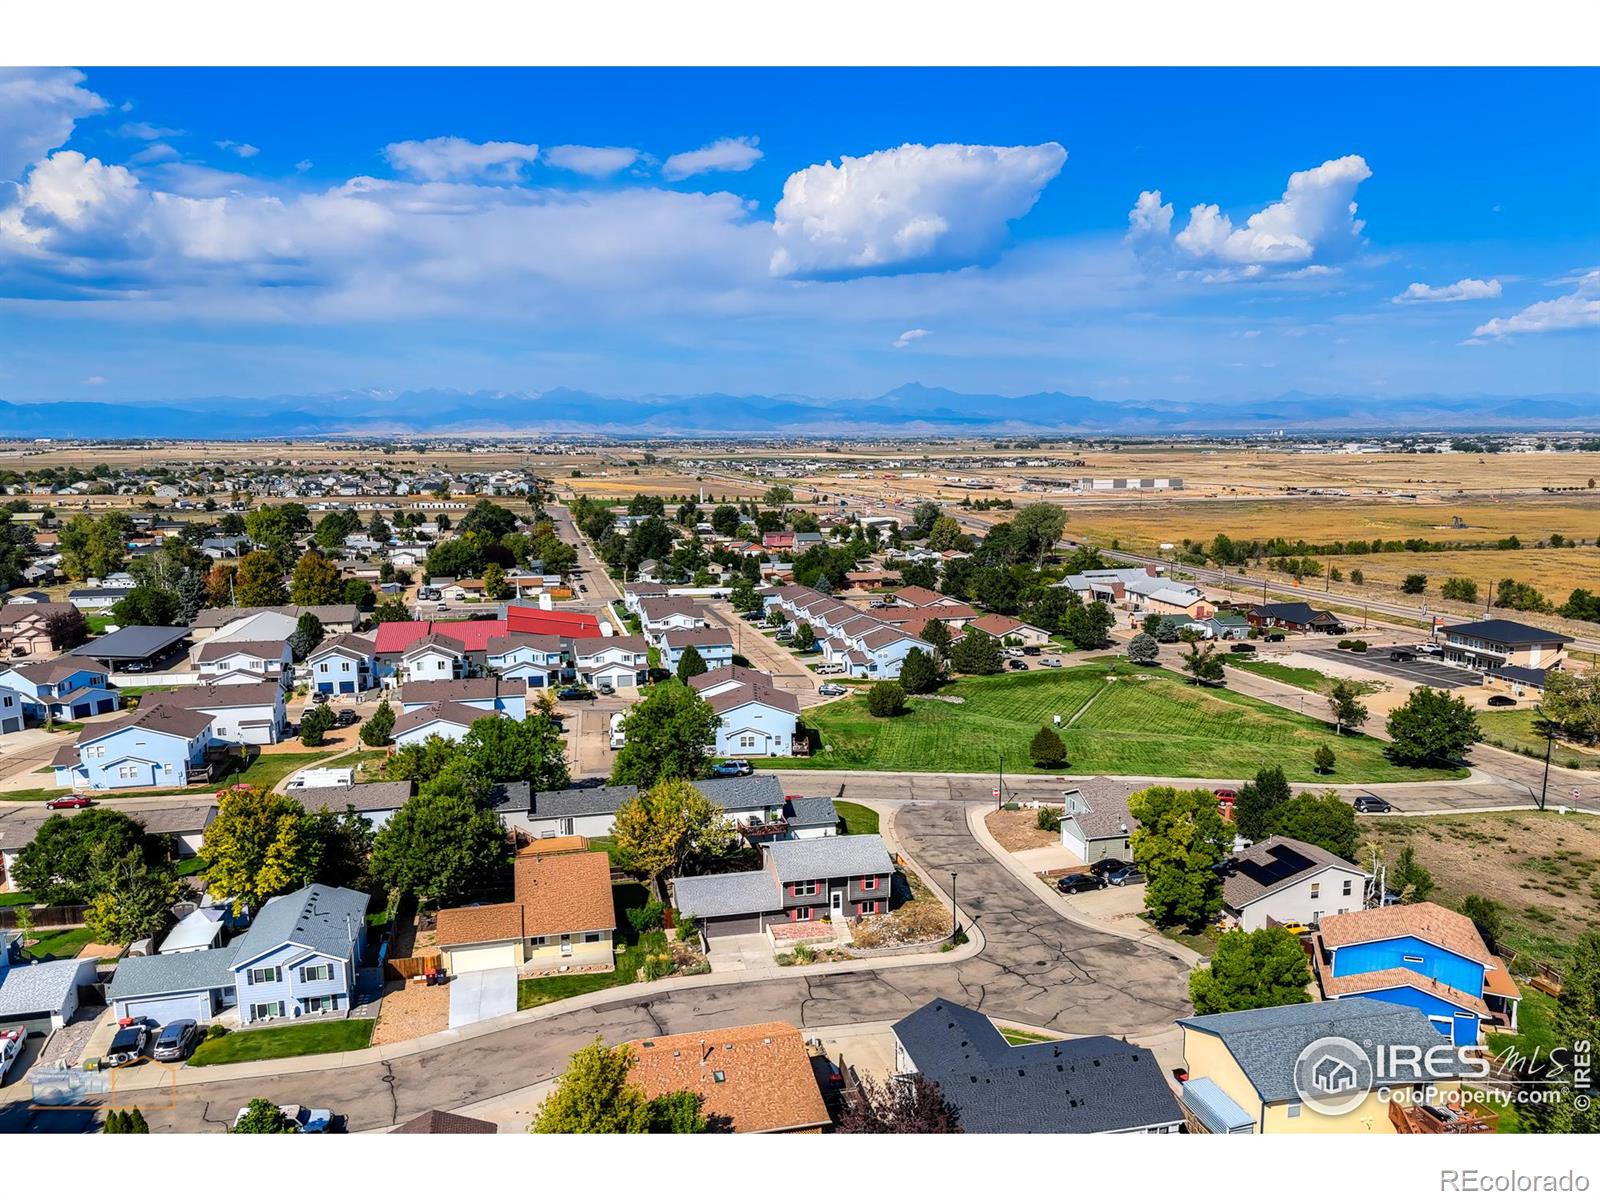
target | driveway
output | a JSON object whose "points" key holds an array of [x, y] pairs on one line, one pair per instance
{"points": [[740, 952], [478, 995], [1036, 968]]}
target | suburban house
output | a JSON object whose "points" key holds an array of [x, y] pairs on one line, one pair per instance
{"points": [[23, 628], [300, 957], [159, 745], [1010, 630], [1283, 881], [434, 656], [1078, 1085], [1294, 616], [522, 618], [1508, 651], [241, 714], [864, 645], [752, 1079], [448, 719], [536, 659], [660, 613], [799, 879], [343, 664], [618, 662], [635, 594], [66, 689], [486, 694], [42, 996], [1242, 1067], [1225, 626], [754, 719], [468, 645], [714, 645], [1155, 595], [241, 661], [373, 802], [11, 714], [270, 623], [438, 1121], [1421, 955], [182, 825], [1109, 585], [562, 917], [1095, 820]]}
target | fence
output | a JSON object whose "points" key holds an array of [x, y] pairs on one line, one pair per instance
{"points": [[409, 968], [56, 916]]}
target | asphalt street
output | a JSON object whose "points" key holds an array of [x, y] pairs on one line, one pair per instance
{"points": [[1036, 968]]}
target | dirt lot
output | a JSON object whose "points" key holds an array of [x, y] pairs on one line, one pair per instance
{"points": [[1544, 867], [410, 1010], [1020, 830]]}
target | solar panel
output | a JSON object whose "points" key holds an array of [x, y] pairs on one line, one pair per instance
{"points": [[1282, 862]]}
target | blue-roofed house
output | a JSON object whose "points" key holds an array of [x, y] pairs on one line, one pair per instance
{"points": [[1079, 1085], [1423, 955], [300, 957], [1246, 1074]]}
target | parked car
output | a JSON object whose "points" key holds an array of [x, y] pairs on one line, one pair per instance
{"points": [[127, 1046], [1277, 635], [1049, 662], [607, 690], [1108, 866], [1502, 701], [345, 717], [441, 607], [73, 801], [176, 1041], [303, 1119], [1372, 804], [1069, 885], [133, 666], [1226, 794], [1016, 664], [583, 587], [1242, 648], [731, 768], [832, 689], [319, 697], [1402, 656], [1431, 648], [1296, 928], [573, 693], [10, 1049], [1128, 874], [1031, 651]]}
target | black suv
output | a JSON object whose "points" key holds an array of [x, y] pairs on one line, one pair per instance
{"points": [[346, 716]]}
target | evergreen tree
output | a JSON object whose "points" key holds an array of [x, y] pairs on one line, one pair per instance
{"points": [[918, 674], [690, 664], [379, 727], [1047, 749]]}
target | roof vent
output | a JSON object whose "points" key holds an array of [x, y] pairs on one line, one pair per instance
{"points": [[648, 1045]]}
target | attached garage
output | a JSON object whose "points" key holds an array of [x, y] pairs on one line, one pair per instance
{"points": [[731, 926], [196, 985], [483, 958], [162, 1009], [347, 686], [106, 705]]}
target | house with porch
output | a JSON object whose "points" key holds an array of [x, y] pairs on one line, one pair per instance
{"points": [[1422, 955], [1294, 616], [301, 957], [800, 879], [24, 631], [618, 662], [242, 661], [562, 916], [754, 718], [1096, 822], [64, 689], [534, 659], [714, 645], [155, 746]]}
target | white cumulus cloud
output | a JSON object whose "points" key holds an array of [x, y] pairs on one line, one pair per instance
{"points": [[594, 161], [909, 336], [38, 109], [724, 154], [1149, 220], [1314, 219], [444, 158], [143, 131], [1461, 289], [914, 207], [1579, 309]]}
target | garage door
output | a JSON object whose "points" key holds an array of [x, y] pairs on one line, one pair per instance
{"points": [[1073, 842], [728, 926], [107, 705], [482, 958], [195, 1008], [31, 1024], [347, 685]]}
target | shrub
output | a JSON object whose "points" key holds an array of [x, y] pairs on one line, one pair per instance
{"points": [[658, 966], [1358, 646], [886, 699], [1047, 749], [646, 917], [1344, 643], [216, 1031], [1323, 760], [684, 924], [1048, 819]]}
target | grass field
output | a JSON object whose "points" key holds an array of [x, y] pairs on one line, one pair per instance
{"points": [[1147, 721], [284, 1041], [270, 770], [62, 943], [1514, 729], [1307, 678], [858, 818]]}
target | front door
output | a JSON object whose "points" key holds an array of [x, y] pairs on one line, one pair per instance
{"points": [[836, 905]]}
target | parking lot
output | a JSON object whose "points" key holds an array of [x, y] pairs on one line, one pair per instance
{"points": [[1421, 670]]}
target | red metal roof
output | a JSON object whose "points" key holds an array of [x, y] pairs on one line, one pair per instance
{"points": [[539, 620], [395, 636]]}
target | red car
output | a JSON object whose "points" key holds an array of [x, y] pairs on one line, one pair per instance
{"points": [[1226, 795], [69, 802]]}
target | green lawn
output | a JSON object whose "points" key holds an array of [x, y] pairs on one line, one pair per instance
{"points": [[1019, 1037], [1309, 679], [283, 1041], [32, 795], [270, 770], [15, 899], [64, 943], [1140, 721], [1513, 729], [858, 818]]}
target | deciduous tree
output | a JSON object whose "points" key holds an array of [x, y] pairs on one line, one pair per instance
{"points": [[531, 749], [1344, 699], [256, 847], [1179, 843], [1431, 729], [259, 581], [1262, 969], [61, 863], [669, 825], [1257, 800], [442, 848], [886, 698], [594, 1096], [1325, 821], [666, 737], [910, 1105], [315, 580]]}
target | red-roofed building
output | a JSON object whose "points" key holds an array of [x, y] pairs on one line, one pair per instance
{"points": [[520, 619], [395, 636]]}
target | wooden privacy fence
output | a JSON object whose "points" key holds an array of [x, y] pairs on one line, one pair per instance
{"points": [[409, 968], [54, 916]]}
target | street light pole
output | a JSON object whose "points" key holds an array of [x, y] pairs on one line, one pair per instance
{"points": [[955, 924], [1000, 800], [1549, 743]]}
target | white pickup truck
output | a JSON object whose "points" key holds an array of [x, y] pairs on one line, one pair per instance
{"points": [[10, 1050]]}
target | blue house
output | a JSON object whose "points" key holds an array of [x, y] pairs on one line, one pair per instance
{"points": [[159, 746], [1423, 956], [344, 664], [301, 957], [67, 688], [536, 659]]}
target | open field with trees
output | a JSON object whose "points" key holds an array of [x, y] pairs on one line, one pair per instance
{"points": [[1115, 720], [1515, 729]]}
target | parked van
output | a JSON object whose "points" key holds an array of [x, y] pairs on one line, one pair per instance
{"points": [[618, 739]]}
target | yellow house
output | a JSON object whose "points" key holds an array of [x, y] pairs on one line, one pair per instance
{"points": [[562, 917], [1243, 1076]]}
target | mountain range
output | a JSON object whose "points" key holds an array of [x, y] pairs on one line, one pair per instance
{"points": [[908, 410]]}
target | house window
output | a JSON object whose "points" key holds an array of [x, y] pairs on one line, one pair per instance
{"points": [[265, 1010], [266, 975], [811, 888], [1347, 887], [866, 906], [316, 974], [800, 914], [591, 938], [538, 941], [1316, 890], [320, 1004], [746, 742], [1294, 1110], [322, 668], [869, 884]]}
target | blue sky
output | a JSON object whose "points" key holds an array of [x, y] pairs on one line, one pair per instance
{"points": [[173, 233]]}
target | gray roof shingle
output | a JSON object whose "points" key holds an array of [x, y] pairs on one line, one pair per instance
{"points": [[732, 895], [324, 919], [811, 810], [829, 857], [38, 987], [161, 974]]}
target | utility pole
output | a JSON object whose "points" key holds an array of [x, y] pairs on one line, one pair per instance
{"points": [[1549, 743]]}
